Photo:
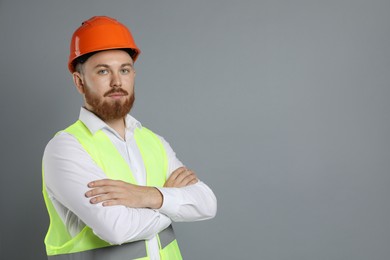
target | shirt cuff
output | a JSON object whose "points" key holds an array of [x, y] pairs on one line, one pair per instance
{"points": [[171, 201]]}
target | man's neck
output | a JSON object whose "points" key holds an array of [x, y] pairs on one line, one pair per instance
{"points": [[118, 125]]}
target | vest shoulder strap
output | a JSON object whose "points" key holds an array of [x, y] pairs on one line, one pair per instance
{"points": [[102, 151]]}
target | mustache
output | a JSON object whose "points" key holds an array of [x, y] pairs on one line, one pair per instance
{"points": [[116, 90]]}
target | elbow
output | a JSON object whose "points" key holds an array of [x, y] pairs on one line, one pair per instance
{"points": [[208, 211], [113, 237], [212, 208], [214, 211], [115, 240], [210, 200]]}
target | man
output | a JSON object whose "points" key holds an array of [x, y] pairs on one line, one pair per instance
{"points": [[111, 186]]}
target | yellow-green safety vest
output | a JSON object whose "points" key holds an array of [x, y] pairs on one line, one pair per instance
{"points": [[60, 245]]}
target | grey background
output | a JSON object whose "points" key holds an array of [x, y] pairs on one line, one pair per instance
{"points": [[280, 106]]}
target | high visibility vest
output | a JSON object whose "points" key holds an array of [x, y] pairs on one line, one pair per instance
{"points": [[60, 245]]}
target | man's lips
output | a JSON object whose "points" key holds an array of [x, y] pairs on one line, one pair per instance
{"points": [[117, 95]]}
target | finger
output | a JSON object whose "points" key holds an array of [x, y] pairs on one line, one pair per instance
{"points": [[105, 182], [183, 179], [110, 203], [102, 198], [105, 197], [193, 182], [101, 190], [177, 172], [114, 203], [183, 175], [190, 179]]}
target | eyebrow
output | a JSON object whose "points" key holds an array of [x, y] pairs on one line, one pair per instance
{"points": [[127, 64], [106, 66]]}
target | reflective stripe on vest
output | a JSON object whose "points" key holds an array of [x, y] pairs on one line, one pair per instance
{"points": [[131, 250], [99, 146]]}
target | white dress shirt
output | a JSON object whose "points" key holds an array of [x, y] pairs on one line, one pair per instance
{"points": [[68, 168]]}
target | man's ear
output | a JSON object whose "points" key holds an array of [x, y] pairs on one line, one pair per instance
{"points": [[78, 82]]}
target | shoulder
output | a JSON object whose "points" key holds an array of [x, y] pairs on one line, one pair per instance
{"points": [[65, 156], [62, 145]]}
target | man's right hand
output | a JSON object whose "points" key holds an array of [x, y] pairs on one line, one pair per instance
{"points": [[181, 177]]}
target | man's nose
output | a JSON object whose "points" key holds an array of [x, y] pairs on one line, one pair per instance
{"points": [[116, 80]]}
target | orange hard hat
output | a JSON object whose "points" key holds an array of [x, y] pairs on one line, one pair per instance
{"points": [[100, 33]]}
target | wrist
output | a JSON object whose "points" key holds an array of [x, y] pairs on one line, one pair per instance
{"points": [[155, 199]]}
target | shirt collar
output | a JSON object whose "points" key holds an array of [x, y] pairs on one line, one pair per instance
{"points": [[94, 123]]}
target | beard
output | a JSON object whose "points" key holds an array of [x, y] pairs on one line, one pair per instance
{"points": [[115, 109]]}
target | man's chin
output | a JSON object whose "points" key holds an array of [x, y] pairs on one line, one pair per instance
{"points": [[113, 109]]}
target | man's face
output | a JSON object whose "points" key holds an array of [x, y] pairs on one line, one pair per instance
{"points": [[107, 82]]}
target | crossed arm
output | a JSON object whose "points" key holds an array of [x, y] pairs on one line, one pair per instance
{"points": [[120, 212], [113, 192]]}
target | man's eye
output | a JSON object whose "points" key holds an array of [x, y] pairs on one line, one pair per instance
{"points": [[125, 71], [102, 72]]}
